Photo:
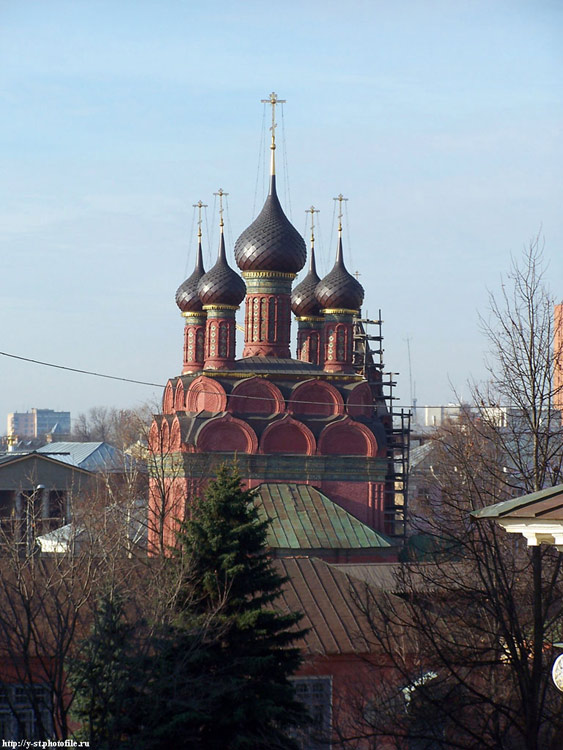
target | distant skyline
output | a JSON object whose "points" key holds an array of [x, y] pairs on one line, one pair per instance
{"points": [[441, 122]]}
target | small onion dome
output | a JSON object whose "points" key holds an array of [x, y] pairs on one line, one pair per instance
{"points": [[339, 289], [271, 242], [303, 300], [221, 285], [187, 297]]}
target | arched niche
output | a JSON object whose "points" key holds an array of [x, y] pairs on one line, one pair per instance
{"points": [[154, 437], [159, 435], [347, 438], [168, 398], [164, 435], [256, 396], [315, 398], [175, 435], [360, 401], [206, 394], [289, 436], [226, 435], [180, 397]]}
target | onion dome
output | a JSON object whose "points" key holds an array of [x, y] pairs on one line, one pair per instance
{"points": [[271, 242], [339, 289], [303, 299], [221, 285], [187, 297]]}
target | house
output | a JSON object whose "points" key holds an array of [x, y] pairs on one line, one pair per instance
{"points": [[538, 516], [37, 493]]}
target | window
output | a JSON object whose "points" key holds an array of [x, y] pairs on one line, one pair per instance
{"points": [[57, 504], [316, 694], [7, 498], [24, 709]]}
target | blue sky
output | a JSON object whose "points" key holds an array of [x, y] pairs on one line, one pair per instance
{"points": [[440, 121]]}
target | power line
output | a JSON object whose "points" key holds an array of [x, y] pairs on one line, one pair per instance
{"points": [[83, 372], [160, 385]]}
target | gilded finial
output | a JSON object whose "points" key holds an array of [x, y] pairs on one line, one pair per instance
{"points": [[199, 205], [221, 193], [273, 100], [340, 198], [357, 274], [312, 210]]}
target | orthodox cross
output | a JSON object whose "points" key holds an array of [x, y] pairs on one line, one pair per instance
{"points": [[273, 100], [199, 205], [221, 193], [312, 211], [340, 198]]}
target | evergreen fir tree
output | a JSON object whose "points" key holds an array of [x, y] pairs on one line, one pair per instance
{"points": [[102, 676], [250, 659], [214, 675]]}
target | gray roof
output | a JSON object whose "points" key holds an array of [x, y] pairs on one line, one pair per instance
{"points": [[279, 365], [399, 577], [97, 456], [420, 453]]}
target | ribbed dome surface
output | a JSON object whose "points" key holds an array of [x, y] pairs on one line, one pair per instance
{"points": [[303, 299], [187, 297], [339, 289], [271, 242], [221, 285]]}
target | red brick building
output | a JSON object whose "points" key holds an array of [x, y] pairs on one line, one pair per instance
{"points": [[319, 418], [313, 432]]}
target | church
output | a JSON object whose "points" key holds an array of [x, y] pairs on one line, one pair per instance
{"points": [[315, 432]]}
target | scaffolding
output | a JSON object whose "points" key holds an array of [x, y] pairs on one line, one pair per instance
{"points": [[368, 362]]}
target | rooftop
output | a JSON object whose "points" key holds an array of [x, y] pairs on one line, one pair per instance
{"points": [[302, 518]]}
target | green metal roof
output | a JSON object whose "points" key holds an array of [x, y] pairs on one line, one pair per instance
{"points": [[303, 518], [524, 506]]}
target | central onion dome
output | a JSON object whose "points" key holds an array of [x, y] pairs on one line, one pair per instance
{"points": [[271, 242], [221, 285], [339, 289], [187, 297], [303, 299]]}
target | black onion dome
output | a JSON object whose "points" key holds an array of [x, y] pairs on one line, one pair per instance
{"points": [[271, 242], [339, 289], [187, 297], [221, 285], [303, 300]]}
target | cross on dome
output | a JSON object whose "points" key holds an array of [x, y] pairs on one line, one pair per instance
{"points": [[312, 210], [340, 198], [199, 205], [221, 193]]}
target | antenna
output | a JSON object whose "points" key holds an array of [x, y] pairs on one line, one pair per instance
{"points": [[412, 391]]}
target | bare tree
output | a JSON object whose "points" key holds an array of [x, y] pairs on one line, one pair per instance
{"points": [[470, 635], [122, 428], [42, 605]]}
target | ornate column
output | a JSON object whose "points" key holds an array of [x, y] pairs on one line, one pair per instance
{"points": [[339, 340], [194, 341], [268, 313], [220, 332], [310, 339]]}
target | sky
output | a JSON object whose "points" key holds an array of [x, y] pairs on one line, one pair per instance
{"points": [[440, 121]]}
